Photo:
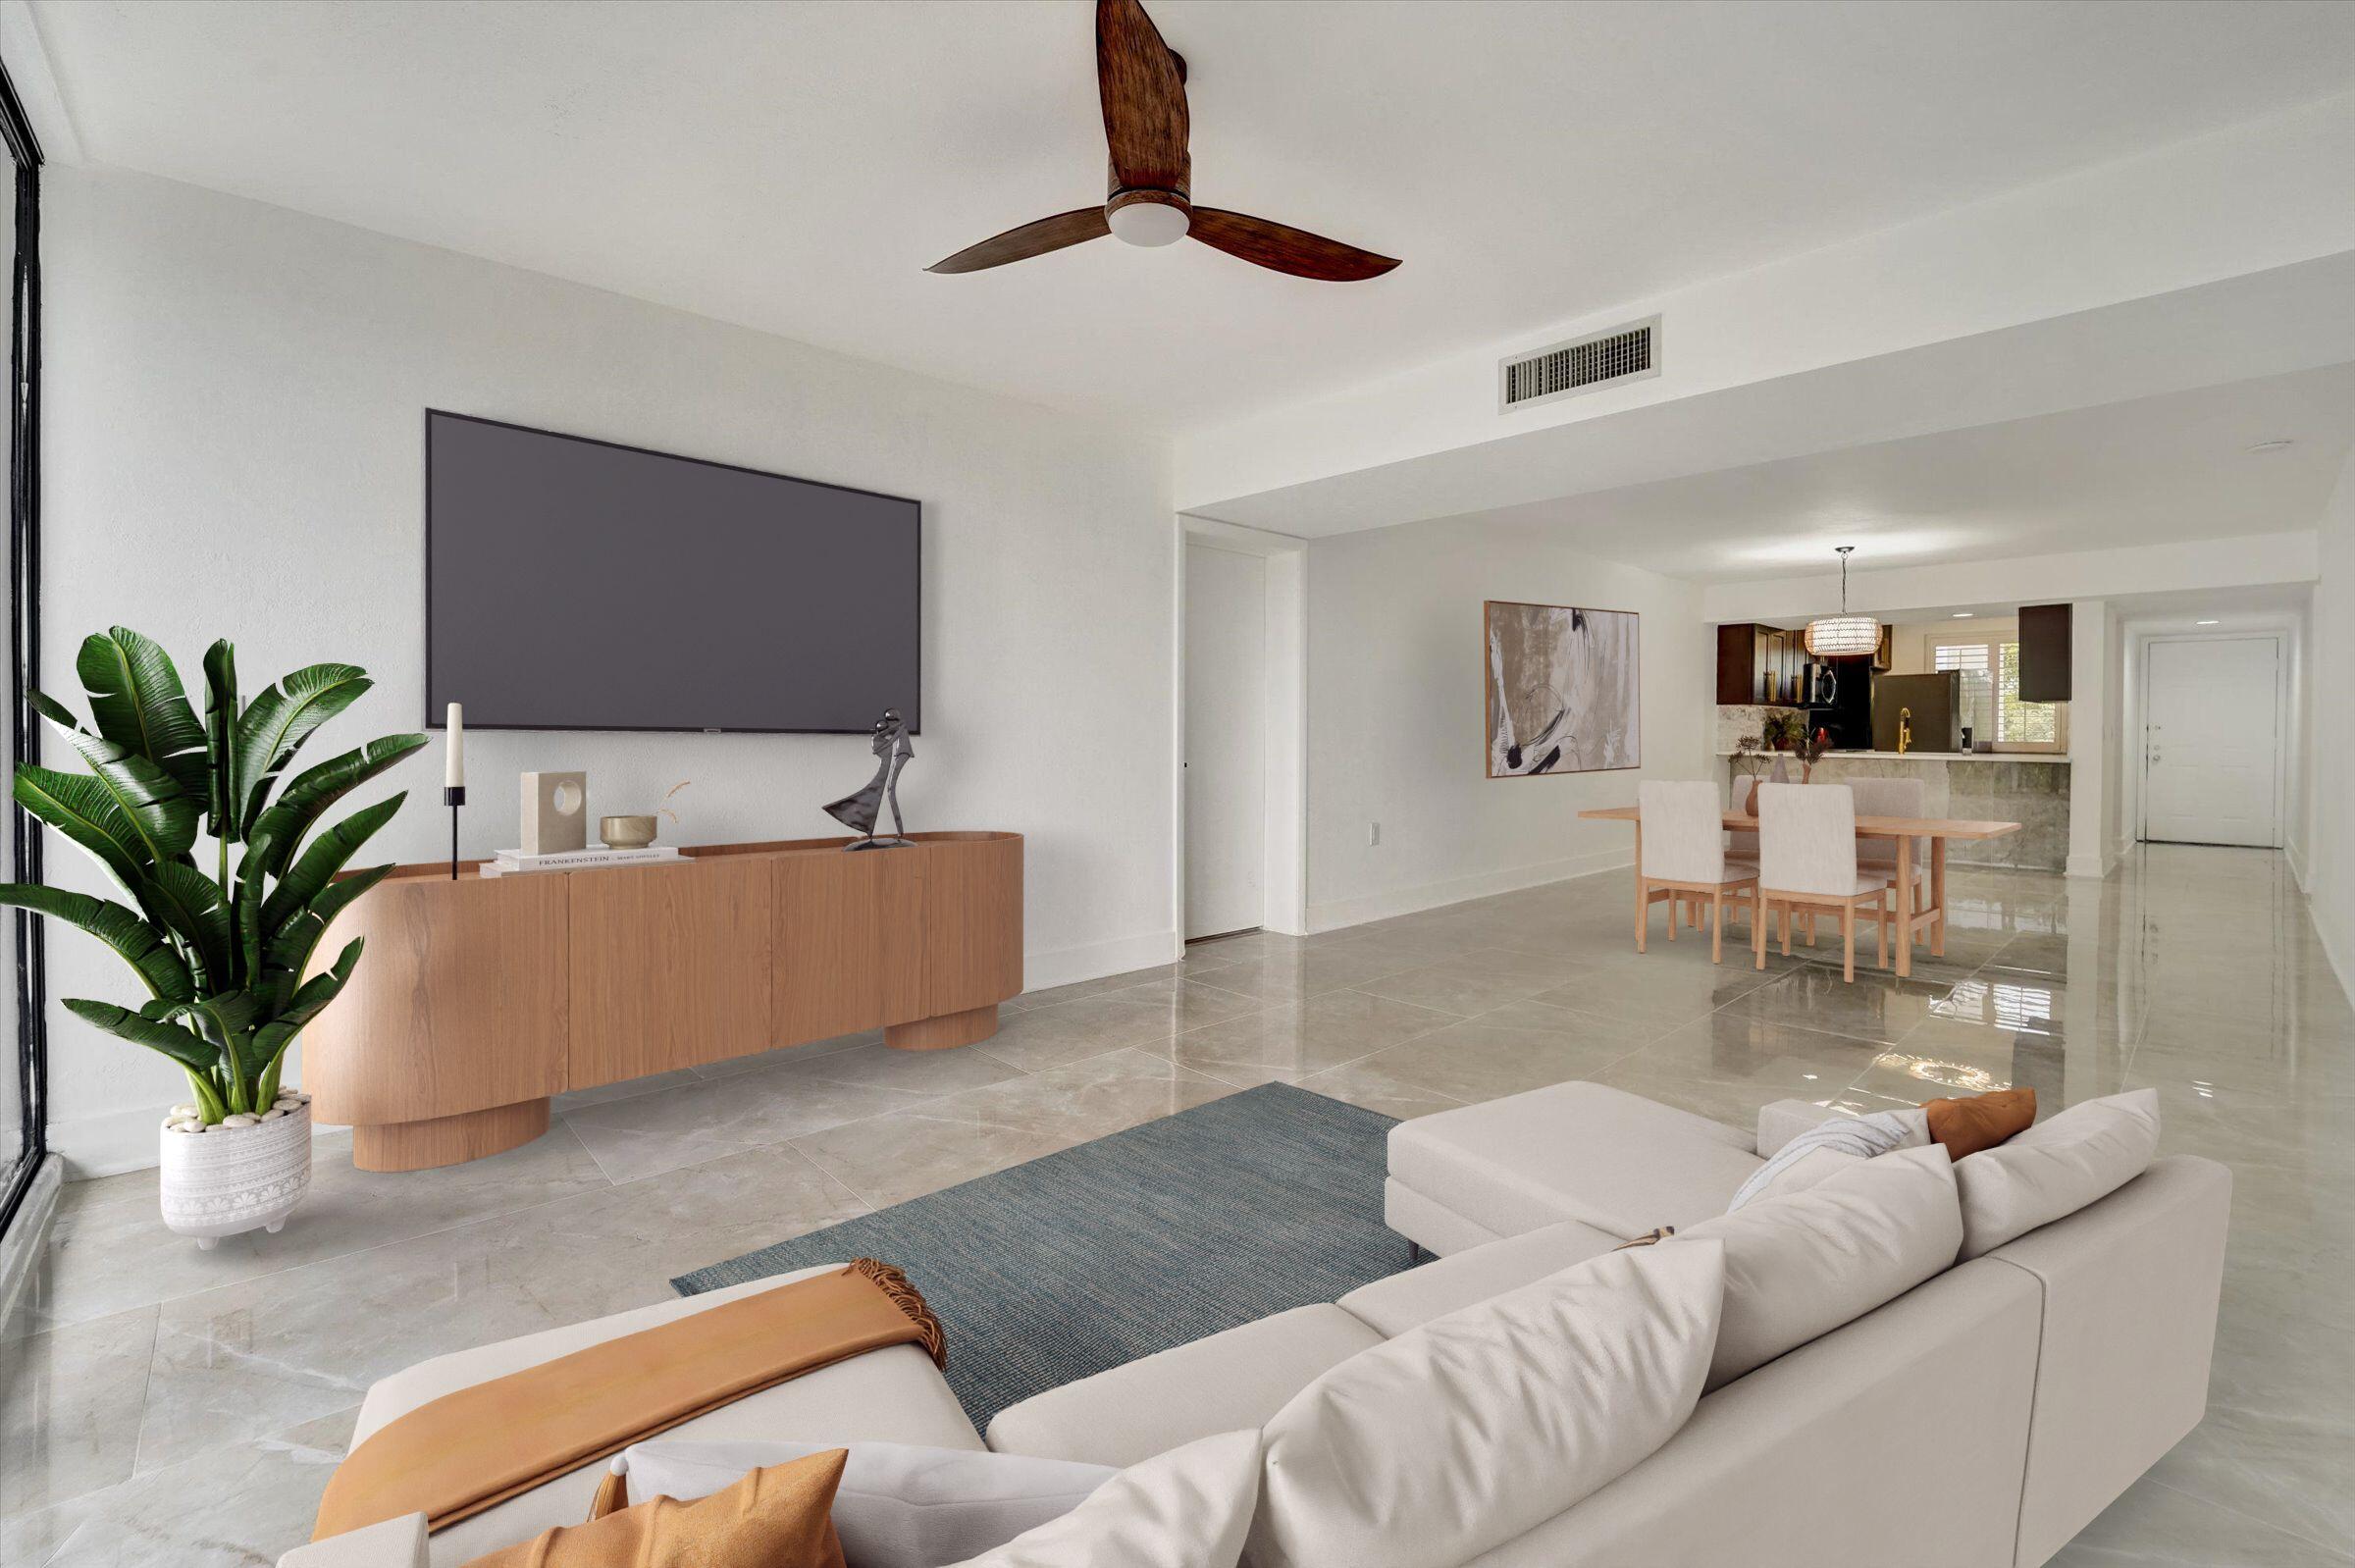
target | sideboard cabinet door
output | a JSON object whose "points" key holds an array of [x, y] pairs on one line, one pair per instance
{"points": [[849, 942], [671, 966]]}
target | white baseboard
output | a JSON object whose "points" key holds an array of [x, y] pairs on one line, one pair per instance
{"points": [[1095, 960], [2093, 867], [2295, 855], [1341, 913]]}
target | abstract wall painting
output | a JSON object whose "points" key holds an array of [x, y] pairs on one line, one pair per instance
{"points": [[1562, 689]]}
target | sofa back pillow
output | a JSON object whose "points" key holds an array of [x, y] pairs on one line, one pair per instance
{"points": [[899, 1505], [1188, 1508], [1458, 1435], [2056, 1168], [1825, 1147], [1799, 1266]]}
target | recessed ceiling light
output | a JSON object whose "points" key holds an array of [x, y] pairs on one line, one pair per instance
{"points": [[2203, 623], [1964, 614], [2272, 445]]}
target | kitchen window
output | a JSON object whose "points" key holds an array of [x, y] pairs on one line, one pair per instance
{"points": [[1991, 702]]}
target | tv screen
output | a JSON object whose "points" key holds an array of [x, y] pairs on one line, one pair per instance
{"points": [[574, 584]]}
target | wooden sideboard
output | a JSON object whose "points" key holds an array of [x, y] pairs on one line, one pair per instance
{"points": [[480, 997]]}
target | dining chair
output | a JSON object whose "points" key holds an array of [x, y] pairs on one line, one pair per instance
{"points": [[1807, 860], [1894, 797], [1684, 858]]}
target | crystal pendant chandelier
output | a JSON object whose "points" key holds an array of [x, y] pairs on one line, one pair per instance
{"points": [[1835, 636]]}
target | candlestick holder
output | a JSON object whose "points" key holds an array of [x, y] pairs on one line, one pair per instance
{"points": [[453, 796]]}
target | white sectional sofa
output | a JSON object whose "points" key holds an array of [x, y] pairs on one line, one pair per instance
{"points": [[1978, 1420]]}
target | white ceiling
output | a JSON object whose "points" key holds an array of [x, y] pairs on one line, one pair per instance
{"points": [[795, 167], [2154, 470]]}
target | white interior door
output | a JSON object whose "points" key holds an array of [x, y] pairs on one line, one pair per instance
{"points": [[1226, 741], [2211, 744]]}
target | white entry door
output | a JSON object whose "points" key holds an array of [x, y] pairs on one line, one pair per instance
{"points": [[2211, 744], [1226, 741]]}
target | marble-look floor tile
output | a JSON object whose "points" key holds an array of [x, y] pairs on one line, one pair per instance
{"points": [[239, 1504], [2291, 1474], [1310, 971], [1285, 1044], [1660, 995], [1068, 1032], [1741, 1058], [657, 1132], [1365, 1083], [1082, 990], [1875, 1007], [251, 1358], [2155, 1526], [907, 1154], [108, 1248], [1478, 982], [879, 1066], [627, 1088], [1085, 1099], [71, 1400], [785, 1054], [1477, 1059]]}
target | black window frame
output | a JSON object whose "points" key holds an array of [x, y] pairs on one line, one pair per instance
{"points": [[25, 638]]}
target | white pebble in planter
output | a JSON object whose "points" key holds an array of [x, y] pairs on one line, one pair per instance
{"points": [[228, 1179]]}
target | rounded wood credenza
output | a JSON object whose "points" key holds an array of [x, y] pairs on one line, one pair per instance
{"points": [[480, 997]]}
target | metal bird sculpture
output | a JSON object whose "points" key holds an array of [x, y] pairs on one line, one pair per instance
{"points": [[860, 812]]}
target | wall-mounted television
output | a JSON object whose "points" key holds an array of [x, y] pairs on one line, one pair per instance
{"points": [[578, 584]]}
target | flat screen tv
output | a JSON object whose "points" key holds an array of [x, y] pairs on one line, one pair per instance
{"points": [[577, 585]]}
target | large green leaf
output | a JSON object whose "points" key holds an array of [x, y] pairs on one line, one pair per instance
{"points": [[317, 866], [84, 812], [309, 793], [292, 944], [271, 1040], [280, 720], [220, 738], [136, 698], [150, 798], [190, 904], [182, 1046], [137, 942]]}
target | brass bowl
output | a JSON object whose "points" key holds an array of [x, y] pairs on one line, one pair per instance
{"points": [[626, 832]]}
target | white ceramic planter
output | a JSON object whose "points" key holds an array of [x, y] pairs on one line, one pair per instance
{"points": [[224, 1181]]}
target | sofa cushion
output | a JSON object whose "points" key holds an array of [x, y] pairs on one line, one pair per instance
{"points": [[895, 1394], [1799, 1164], [897, 1507], [1389, 1307], [1573, 1151], [1188, 1508], [1799, 1267], [1237, 1377], [2056, 1168], [1464, 1433]]}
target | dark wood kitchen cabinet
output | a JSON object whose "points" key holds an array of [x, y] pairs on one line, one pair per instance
{"points": [[1759, 664], [2044, 652]]}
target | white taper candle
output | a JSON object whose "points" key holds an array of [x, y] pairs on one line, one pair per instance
{"points": [[454, 773]]}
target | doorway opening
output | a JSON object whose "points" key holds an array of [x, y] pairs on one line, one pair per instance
{"points": [[2215, 727], [1242, 754]]}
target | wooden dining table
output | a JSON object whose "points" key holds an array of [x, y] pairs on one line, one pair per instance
{"points": [[1906, 830]]}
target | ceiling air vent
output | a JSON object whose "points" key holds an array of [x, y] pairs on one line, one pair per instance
{"points": [[1598, 359]]}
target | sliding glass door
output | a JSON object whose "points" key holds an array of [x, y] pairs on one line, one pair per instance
{"points": [[23, 1086]]}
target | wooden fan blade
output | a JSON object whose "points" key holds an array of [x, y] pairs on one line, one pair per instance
{"points": [[1286, 249], [1144, 99], [1030, 240]]}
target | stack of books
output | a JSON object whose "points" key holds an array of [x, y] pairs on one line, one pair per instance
{"points": [[511, 860]]}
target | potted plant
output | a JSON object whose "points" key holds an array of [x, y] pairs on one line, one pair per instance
{"points": [[223, 957], [1783, 729]]}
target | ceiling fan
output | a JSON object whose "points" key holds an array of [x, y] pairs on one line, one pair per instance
{"points": [[1142, 84]]}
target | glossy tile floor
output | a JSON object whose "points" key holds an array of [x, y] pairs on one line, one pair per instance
{"points": [[167, 1406]]}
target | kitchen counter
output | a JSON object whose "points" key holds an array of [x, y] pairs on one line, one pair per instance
{"points": [[2023, 786], [2048, 759]]}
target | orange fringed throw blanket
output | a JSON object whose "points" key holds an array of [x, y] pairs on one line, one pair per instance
{"points": [[457, 1455]]}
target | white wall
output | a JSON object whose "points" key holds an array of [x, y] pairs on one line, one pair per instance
{"points": [[233, 438], [1395, 718], [2331, 777]]}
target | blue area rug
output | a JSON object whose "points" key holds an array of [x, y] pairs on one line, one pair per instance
{"points": [[1048, 1272]]}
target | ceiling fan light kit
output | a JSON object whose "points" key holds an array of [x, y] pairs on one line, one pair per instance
{"points": [[1839, 635], [1141, 83]]}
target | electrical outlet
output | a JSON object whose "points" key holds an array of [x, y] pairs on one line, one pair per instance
{"points": [[1373, 834]]}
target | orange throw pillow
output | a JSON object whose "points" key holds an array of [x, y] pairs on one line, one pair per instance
{"points": [[780, 1517], [1979, 1122]]}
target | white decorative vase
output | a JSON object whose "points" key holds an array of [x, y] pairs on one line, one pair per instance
{"points": [[224, 1181]]}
